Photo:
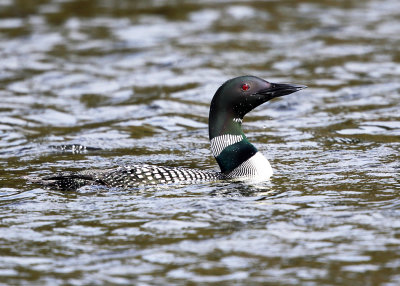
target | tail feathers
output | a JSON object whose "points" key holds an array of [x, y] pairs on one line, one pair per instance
{"points": [[66, 180]]}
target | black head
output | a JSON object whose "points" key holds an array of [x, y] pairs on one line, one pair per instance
{"points": [[242, 94], [236, 97]]}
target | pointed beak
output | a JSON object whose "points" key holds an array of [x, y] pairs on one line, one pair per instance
{"points": [[280, 89]]}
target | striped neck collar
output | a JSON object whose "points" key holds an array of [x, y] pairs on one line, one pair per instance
{"points": [[229, 145]]}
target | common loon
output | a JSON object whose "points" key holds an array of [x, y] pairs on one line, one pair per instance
{"points": [[236, 156]]}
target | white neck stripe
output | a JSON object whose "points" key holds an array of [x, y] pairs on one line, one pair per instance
{"points": [[219, 143]]}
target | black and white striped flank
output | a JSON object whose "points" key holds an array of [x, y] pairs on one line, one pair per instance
{"points": [[131, 176], [126, 177]]}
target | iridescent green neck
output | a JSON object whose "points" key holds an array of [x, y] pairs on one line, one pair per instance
{"points": [[222, 122]]}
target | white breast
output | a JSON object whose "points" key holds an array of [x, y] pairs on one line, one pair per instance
{"points": [[256, 168]]}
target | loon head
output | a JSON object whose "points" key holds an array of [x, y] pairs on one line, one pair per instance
{"points": [[238, 96], [235, 155]]}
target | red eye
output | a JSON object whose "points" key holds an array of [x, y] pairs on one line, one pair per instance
{"points": [[245, 87]]}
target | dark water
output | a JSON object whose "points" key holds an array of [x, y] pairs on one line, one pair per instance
{"points": [[136, 77]]}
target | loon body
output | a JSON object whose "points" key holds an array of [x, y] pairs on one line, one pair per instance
{"points": [[236, 156]]}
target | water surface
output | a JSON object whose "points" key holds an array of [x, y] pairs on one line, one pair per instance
{"points": [[135, 78]]}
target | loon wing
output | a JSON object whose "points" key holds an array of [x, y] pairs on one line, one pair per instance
{"points": [[124, 177]]}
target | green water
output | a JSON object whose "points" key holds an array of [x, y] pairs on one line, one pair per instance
{"points": [[135, 78]]}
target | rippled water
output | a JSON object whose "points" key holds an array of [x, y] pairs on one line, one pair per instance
{"points": [[135, 78]]}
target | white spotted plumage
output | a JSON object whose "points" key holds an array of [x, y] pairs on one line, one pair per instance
{"points": [[129, 176]]}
